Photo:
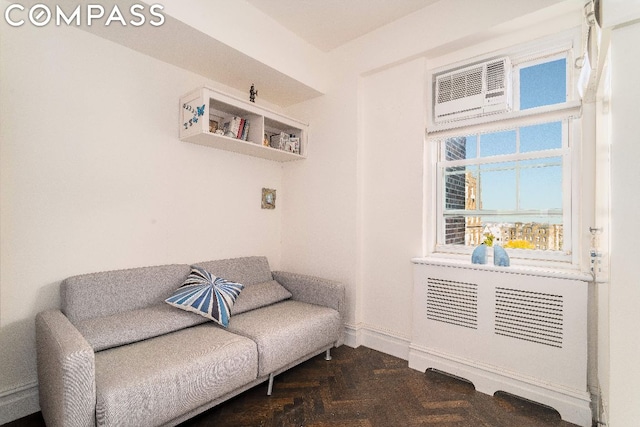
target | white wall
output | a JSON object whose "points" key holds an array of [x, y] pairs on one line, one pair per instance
{"points": [[319, 228], [93, 177], [624, 293], [393, 120]]}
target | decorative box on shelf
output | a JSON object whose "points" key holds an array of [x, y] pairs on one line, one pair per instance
{"points": [[215, 119]]}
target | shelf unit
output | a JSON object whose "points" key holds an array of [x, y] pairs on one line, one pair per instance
{"points": [[204, 104]]}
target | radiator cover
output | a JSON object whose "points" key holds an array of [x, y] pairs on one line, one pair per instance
{"points": [[505, 329]]}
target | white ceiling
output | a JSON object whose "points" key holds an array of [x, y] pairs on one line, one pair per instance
{"points": [[328, 24]]}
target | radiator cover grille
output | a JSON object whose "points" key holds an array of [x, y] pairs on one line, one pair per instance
{"points": [[452, 302], [530, 316]]}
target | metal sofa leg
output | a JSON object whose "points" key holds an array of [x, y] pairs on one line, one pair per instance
{"points": [[327, 355], [270, 388]]}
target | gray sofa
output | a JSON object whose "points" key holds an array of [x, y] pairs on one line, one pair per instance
{"points": [[117, 355]]}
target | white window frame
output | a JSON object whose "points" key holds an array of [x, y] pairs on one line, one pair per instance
{"points": [[570, 115]]}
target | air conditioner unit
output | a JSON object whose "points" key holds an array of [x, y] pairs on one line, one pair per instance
{"points": [[473, 91]]}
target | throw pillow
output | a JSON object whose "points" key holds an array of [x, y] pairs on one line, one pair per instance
{"points": [[260, 295], [206, 295]]}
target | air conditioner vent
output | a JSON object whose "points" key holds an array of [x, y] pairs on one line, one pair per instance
{"points": [[452, 302], [445, 89], [495, 75], [494, 94], [473, 91], [530, 316]]}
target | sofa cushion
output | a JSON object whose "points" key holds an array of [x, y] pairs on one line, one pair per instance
{"points": [[106, 293], [135, 325], [207, 295], [260, 295], [246, 270], [155, 381], [287, 331]]}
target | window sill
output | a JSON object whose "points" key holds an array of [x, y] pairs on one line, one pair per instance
{"points": [[554, 271]]}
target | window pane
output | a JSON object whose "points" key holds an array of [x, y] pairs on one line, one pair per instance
{"points": [[498, 143], [471, 147], [460, 194], [541, 185], [454, 230], [543, 84], [526, 233], [547, 136], [498, 186], [518, 203], [460, 148], [454, 188], [472, 198], [536, 232]]}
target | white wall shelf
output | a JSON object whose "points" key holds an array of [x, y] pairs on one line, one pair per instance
{"points": [[200, 106]]}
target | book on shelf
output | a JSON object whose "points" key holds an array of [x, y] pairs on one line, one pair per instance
{"points": [[240, 128], [279, 140], [245, 130], [232, 126], [236, 127]]}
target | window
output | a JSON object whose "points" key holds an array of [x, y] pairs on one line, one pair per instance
{"points": [[506, 178]]}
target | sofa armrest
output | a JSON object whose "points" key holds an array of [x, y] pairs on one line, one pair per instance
{"points": [[314, 290], [66, 372]]}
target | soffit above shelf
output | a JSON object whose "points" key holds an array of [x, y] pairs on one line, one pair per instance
{"points": [[179, 44]]}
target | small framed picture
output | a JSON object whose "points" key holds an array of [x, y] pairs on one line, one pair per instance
{"points": [[213, 126], [268, 198]]}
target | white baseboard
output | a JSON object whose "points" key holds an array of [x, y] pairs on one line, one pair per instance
{"points": [[604, 414], [351, 335], [384, 341], [573, 405], [19, 402], [600, 406]]}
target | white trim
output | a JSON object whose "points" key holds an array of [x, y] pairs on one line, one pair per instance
{"points": [[523, 257], [507, 158], [508, 120], [547, 271], [352, 335], [18, 402], [573, 405], [17, 389], [578, 184], [385, 341], [620, 12], [433, 221]]}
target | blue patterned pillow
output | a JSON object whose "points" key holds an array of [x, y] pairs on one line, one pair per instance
{"points": [[206, 295]]}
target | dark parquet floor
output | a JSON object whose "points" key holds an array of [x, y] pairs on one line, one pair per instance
{"points": [[365, 388]]}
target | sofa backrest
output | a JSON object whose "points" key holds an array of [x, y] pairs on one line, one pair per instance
{"points": [[111, 292], [247, 270]]}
